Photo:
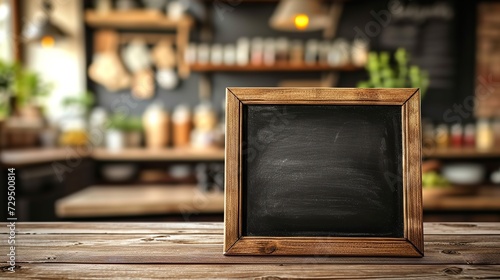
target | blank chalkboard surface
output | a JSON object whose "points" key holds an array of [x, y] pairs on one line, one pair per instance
{"points": [[322, 170]]}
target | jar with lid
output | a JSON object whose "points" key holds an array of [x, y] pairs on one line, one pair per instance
{"points": [[216, 54], [297, 53], [442, 136], [242, 51], [470, 135], [311, 53], [257, 51], [181, 119], [156, 123], [229, 54], [457, 136], [485, 137], [282, 49], [269, 52]]}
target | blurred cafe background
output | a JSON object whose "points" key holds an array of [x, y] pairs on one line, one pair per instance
{"points": [[113, 110]]}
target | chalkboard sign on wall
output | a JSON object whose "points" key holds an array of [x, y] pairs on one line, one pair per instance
{"points": [[313, 171]]}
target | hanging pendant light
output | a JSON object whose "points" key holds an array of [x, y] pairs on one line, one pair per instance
{"points": [[43, 30], [300, 15]]}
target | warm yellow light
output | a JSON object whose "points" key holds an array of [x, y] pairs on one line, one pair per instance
{"points": [[301, 21], [47, 41]]}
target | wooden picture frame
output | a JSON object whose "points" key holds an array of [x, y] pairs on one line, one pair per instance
{"points": [[409, 245]]}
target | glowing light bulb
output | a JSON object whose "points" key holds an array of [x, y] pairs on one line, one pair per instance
{"points": [[301, 21], [47, 41]]}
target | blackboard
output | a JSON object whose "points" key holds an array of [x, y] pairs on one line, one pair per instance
{"points": [[323, 171]]}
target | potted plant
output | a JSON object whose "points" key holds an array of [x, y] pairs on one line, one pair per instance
{"points": [[7, 73], [115, 134], [78, 136], [82, 103], [383, 74], [133, 131], [29, 89]]}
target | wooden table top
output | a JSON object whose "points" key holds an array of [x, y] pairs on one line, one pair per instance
{"points": [[194, 250]]}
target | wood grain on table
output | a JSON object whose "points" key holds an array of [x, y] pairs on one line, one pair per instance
{"points": [[194, 250]]}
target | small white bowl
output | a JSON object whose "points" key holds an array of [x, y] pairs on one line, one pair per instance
{"points": [[464, 173], [118, 172]]}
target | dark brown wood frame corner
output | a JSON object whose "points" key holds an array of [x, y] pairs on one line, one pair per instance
{"points": [[411, 245]]}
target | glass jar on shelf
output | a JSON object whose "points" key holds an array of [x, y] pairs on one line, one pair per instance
{"points": [[485, 137], [442, 136]]}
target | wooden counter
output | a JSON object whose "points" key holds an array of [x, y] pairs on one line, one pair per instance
{"points": [[112, 201], [194, 250]]}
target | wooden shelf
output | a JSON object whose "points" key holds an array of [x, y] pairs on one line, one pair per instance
{"points": [[15, 158], [12, 158], [283, 67], [461, 153], [109, 201], [167, 154], [487, 198], [137, 19]]}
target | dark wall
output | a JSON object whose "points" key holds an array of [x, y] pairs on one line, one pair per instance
{"points": [[251, 19]]}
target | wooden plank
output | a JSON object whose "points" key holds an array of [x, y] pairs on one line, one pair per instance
{"points": [[96, 201], [346, 96], [232, 170], [192, 249], [68, 228], [464, 153], [413, 168], [274, 271], [135, 19], [462, 228], [307, 246], [166, 154], [278, 67], [35, 156]]}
